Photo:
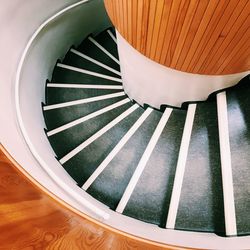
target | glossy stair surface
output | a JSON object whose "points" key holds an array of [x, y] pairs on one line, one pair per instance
{"points": [[239, 131], [184, 169]]}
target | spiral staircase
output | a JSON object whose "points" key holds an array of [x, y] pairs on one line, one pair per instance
{"points": [[130, 157], [156, 170]]}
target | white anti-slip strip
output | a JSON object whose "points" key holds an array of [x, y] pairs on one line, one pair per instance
{"points": [[112, 35], [83, 86], [226, 168], [144, 159], [103, 49], [117, 148], [87, 117], [180, 169], [98, 134], [84, 71], [82, 101], [95, 61]]}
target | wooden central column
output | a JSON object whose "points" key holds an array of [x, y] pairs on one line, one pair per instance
{"points": [[202, 37]]}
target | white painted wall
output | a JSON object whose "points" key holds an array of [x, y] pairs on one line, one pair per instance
{"points": [[148, 82], [18, 21]]}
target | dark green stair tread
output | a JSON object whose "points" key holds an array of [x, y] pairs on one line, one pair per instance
{"points": [[112, 182], [60, 95], [112, 29], [67, 140], [77, 61], [150, 200], [108, 43], [90, 49], [84, 164], [58, 117], [61, 75], [201, 201], [239, 136]]}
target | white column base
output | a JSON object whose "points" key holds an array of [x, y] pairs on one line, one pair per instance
{"points": [[148, 82]]}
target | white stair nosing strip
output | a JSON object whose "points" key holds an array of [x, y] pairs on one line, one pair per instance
{"points": [[87, 117], [83, 86], [82, 101], [117, 148], [98, 134], [95, 61], [112, 36], [226, 167], [180, 168], [143, 161], [103, 49], [88, 72]]}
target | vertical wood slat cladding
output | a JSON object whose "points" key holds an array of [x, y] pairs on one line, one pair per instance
{"points": [[204, 37], [32, 219]]}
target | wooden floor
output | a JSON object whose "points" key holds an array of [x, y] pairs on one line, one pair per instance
{"points": [[31, 218]]}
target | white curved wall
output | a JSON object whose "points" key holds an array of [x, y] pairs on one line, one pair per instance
{"points": [[51, 41], [18, 22], [148, 82]]}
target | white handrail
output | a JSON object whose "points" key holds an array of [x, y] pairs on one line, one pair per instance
{"points": [[43, 164]]}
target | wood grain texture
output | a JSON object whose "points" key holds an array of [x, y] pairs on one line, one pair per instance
{"points": [[203, 37], [33, 218]]}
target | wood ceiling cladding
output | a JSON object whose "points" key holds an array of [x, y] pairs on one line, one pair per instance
{"points": [[204, 37]]}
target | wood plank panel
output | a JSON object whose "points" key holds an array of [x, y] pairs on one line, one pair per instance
{"points": [[185, 27], [242, 57], [199, 33], [150, 29], [178, 26], [191, 34], [188, 35], [163, 25], [231, 7], [232, 50], [144, 26], [134, 22], [139, 25], [157, 21], [33, 218], [226, 29], [170, 29], [213, 22], [130, 29]]}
